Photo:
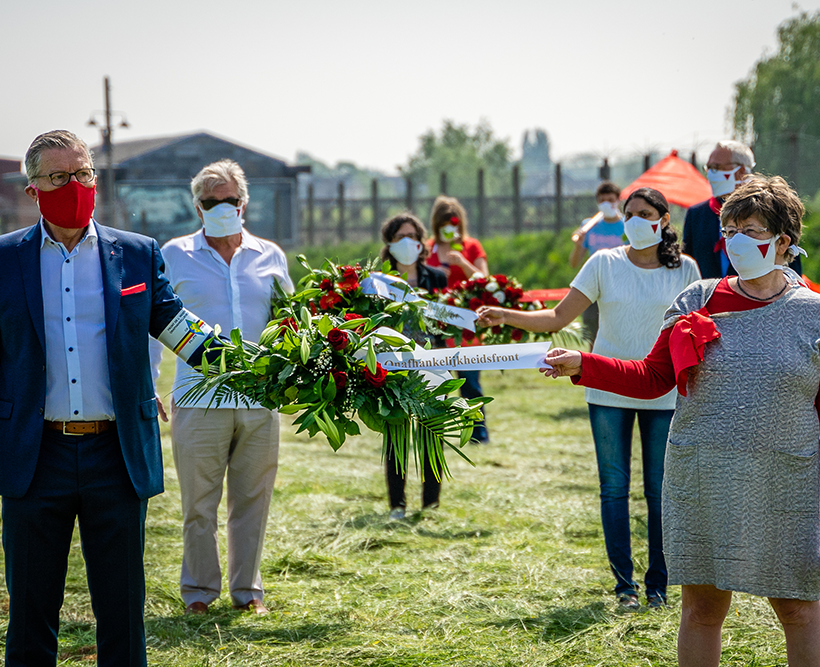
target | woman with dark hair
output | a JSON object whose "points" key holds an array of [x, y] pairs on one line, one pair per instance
{"points": [[741, 495], [404, 248], [460, 256], [633, 286]]}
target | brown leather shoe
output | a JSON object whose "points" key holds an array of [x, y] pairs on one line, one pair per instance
{"points": [[254, 606], [196, 608]]}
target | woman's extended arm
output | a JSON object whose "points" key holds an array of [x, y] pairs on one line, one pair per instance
{"points": [[649, 378], [551, 319]]}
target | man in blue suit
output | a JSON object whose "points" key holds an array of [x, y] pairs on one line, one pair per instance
{"points": [[729, 163], [78, 419]]}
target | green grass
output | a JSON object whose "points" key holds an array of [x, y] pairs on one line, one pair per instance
{"points": [[511, 569]]}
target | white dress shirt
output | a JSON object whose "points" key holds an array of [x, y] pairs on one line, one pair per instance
{"points": [[78, 386], [234, 296]]}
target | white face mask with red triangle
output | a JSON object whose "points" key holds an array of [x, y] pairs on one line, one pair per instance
{"points": [[642, 233], [722, 182], [752, 258]]}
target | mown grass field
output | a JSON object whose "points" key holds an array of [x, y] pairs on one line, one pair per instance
{"points": [[510, 570]]}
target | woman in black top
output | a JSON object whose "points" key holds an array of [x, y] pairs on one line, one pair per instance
{"points": [[404, 248]]}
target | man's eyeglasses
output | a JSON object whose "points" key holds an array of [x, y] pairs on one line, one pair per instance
{"points": [[721, 167], [753, 232], [208, 204], [60, 178]]}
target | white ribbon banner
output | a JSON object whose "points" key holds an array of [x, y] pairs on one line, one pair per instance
{"points": [[478, 358], [396, 289]]}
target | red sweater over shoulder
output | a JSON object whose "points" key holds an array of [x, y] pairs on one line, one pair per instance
{"points": [[654, 376]]}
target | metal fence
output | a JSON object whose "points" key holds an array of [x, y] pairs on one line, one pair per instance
{"points": [[337, 219]]}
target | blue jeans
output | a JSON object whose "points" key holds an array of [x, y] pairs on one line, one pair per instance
{"points": [[612, 433]]}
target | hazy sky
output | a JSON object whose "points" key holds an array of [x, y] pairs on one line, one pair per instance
{"points": [[360, 80]]}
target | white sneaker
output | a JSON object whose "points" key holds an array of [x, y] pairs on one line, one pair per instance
{"points": [[396, 514]]}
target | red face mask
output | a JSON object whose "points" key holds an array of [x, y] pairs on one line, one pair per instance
{"points": [[69, 206]]}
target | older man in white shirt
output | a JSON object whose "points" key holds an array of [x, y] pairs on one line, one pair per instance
{"points": [[228, 277]]}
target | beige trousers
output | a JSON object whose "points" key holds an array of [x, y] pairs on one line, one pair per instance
{"points": [[244, 444]]}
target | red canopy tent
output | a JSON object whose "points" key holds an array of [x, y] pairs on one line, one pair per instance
{"points": [[680, 182]]}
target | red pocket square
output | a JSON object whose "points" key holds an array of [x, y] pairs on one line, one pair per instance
{"points": [[136, 289]]}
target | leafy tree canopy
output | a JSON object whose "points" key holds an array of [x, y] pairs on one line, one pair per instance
{"points": [[460, 152], [775, 107]]}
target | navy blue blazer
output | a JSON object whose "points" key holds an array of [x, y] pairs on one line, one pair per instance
{"points": [[701, 231], [126, 260]]}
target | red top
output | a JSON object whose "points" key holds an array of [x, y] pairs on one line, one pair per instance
{"points": [[471, 249], [661, 370]]}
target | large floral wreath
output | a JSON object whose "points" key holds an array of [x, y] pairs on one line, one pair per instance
{"points": [[323, 367]]}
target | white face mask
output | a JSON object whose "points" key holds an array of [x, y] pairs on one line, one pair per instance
{"points": [[448, 232], [609, 210], [752, 258], [722, 182], [405, 251], [642, 233], [222, 220]]}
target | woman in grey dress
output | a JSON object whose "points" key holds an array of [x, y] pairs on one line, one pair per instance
{"points": [[741, 491]]}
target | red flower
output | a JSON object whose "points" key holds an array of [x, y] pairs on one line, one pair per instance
{"points": [[350, 280], [514, 293], [501, 280], [516, 334], [291, 322], [489, 299], [476, 303], [480, 282], [338, 339], [329, 300], [326, 285], [496, 329], [467, 335], [340, 378], [451, 301], [454, 219], [376, 379]]}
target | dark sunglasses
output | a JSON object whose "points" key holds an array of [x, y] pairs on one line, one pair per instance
{"points": [[208, 204]]}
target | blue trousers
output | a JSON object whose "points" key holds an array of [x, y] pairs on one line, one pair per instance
{"points": [[77, 478], [612, 433]]}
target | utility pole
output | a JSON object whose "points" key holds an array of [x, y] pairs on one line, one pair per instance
{"points": [[110, 198]]}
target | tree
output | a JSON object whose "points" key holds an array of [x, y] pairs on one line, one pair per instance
{"points": [[460, 152], [775, 107]]}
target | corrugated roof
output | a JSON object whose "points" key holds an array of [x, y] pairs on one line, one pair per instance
{"points": [[127, 150]]}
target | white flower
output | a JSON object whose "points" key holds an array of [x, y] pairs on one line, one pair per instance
{"points": [[499, 296], [492, 287]]}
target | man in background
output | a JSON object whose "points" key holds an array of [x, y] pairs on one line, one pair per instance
{"points": [[604, 230], [729, 163], [229, 276]]}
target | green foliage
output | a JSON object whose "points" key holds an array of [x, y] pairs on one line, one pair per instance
{"points": [[775, 107], [323, 368], [460, 152], [811, 239]]}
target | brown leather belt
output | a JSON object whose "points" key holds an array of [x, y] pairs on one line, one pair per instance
{"points": [[80, 428]]}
